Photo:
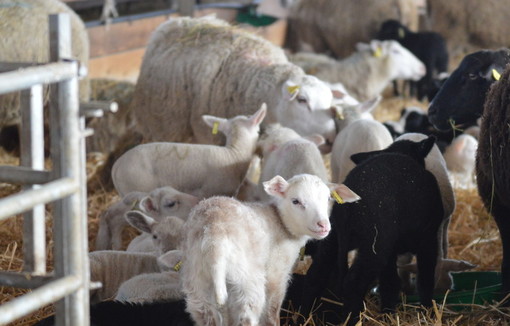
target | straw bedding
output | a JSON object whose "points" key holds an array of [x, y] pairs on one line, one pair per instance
{"points": [[473, 237]]}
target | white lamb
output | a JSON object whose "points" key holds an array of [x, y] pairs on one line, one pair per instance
{"points": [[112, 268], [237, 257], [295, 156], [368, 71], [197, 169], [164, 201], [460, 157], [196, 66], [359, 136], [158, 237], [154, 287]]}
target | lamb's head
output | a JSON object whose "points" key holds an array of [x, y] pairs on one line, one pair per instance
{"points": [[306, 106], [400, 62], [167, 201], [275, 135], [166, 233], [303, 203], [240, 128]]}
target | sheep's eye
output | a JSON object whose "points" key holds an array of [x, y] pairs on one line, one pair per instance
{"points": [[301, 100], [472, 76], [171, 204], [296, 202], [155, 237]]}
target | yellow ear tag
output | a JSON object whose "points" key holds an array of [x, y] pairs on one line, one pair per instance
{"points": [[177, 266], [339, 116], [377, 52], [133, 206], [215, 128], [292, 89], [302, 253], [337, 197], [495, 74], [401, 33]]}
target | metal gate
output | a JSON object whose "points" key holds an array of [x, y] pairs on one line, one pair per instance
{"points": [[64, 185]]}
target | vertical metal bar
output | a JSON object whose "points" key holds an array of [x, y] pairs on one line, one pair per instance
{"points": [[70, 257], [32, 156]]}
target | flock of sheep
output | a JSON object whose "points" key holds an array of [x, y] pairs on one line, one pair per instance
{"points": [[230, 188]]}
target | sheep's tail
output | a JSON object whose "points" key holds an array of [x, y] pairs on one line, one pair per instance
{"points": [[219, 278]]}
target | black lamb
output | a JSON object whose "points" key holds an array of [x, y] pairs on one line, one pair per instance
{"points": [[476, 89], [400, 211], [429, 47]]}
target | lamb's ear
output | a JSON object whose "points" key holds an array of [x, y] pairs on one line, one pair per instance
{"points": [[343, 194], [454, 265], [360, 157], [258, 116], [426, 145], [316, 139], [170, 260], [276, 187], [369, 105], [140, 221], [211, 121], [147, 205]]}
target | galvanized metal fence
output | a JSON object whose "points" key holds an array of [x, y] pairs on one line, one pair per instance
{"points": [[64, 185]]}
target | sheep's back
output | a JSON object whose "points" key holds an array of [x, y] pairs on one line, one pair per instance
{"points": [[29, 42]]}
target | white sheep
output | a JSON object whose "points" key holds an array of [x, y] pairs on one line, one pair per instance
{"points": [[368, 71], [350, 113], [29, 42], [164, 201], [359, 136], [196, 66], [158, 237], [288, 158], [251, 247], [460, 157], [112, 268], [153, 287], [198, 169]]}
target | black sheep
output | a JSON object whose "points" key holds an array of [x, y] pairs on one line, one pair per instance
{"points": [[465, 97], [114, 313], [460, 100], [400, 211], [429, 47]]}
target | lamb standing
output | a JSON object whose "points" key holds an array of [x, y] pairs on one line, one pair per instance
{"points": [[164, 201], [368, 71], [400, 213], [252, 248], [196, 66], [197, 169]]}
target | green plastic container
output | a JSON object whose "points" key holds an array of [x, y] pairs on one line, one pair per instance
{"points": [[470, 288], [252, 18]]}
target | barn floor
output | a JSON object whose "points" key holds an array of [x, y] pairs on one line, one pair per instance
{"points": [[473, 237]]}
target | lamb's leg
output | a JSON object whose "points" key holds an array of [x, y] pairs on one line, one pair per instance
{"points": [[358, 280], [276, 294], [389, 285], [426, 258], [247, 299]]}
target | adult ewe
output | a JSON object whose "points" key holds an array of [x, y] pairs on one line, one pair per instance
{"points": [[429, 47], [366, 72], [464, 98], [335, 26], [197, 66], [29, 42]]}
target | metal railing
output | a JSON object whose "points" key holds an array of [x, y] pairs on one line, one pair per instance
{"points": [[64, 186]]}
